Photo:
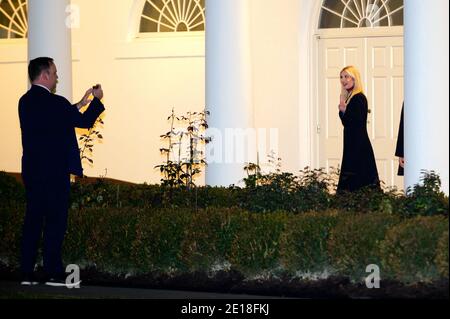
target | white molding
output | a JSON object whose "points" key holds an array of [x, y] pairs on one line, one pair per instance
{"points": [[170, 35], [359, 32], [156, 47], [16, 51], [135, 22], [135, 19]]}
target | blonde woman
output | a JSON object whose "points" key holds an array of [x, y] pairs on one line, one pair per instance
{"points": [[358, 167]]}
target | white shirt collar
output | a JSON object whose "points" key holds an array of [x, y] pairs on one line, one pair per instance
{"points": [[43, 87]]}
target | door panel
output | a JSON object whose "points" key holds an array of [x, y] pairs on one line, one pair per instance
{"points": [[385, 95], [334, 54]]}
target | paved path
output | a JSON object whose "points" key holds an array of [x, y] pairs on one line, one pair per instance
{"points": [[10, 289]]}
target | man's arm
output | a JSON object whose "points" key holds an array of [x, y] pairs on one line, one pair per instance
{"points": [[88, 118], [85, 99], [96, 107]]}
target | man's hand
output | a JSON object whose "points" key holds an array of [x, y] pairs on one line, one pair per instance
{"points": [[97, 91], [85, 100], [401, 162]]}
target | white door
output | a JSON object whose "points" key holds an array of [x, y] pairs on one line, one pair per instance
{"points": [[380, 61]]}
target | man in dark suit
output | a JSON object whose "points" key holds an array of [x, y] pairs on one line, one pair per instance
{"points": [[399, 149], [50, 155]]}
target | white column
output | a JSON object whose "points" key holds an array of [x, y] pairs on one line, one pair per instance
{"points": [[426, 89], [306, 70], [48, 35], [228, 90]]}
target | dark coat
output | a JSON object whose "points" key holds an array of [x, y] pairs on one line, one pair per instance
{"points": [[49, 141], [358, 167], [399, 152]]}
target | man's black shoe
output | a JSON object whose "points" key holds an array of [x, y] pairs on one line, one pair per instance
{"points": [[29, 280]]}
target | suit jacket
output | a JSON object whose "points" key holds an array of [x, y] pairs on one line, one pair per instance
{"points": [[49, 142], [399, 152]]}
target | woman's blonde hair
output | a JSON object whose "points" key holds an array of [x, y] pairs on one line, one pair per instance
{"points": [[354, 73]]}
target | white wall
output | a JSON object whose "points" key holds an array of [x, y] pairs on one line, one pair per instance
{"points": [[144, 78], [13, 83]]}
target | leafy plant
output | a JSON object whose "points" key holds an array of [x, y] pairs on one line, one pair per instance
{"points": [[426, 197], [184, 151], [88, 139]]}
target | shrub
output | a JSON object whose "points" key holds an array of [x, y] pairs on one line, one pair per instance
{"points": [[367, 199], [274, 192], [11, 221], [109, 241], [256, 245], [409, 249], [90, 237], [312, 193], [304, 242], [206, 197], [354, 242], [288, 192], [100, 193], [425, 198], [442, 255], [11, 191], [208, 239], [158, 241], [79, 234]]}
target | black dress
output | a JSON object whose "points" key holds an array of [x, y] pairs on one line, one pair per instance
{"points": [[358, 168], [399, 149]]}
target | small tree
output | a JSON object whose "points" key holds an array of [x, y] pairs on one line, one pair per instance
{"points": [[88, 140], [184, 151]]}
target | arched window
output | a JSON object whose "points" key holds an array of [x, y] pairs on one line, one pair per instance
{"points": [[13, 19], [361, 13], [173, 16]]}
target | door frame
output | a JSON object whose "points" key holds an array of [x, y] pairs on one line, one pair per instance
{"points": [[397, 31]]}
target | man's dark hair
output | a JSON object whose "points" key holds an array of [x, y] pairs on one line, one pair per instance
{"points": [[37, 66]]}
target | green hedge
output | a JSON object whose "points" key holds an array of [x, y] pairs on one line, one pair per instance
{"points": [[11, 221], [143, 241], [11, 191], [208, 243], [312, 191], [409, 250], [304, 242], [256, 245], [442, 255], [355, 242]]}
